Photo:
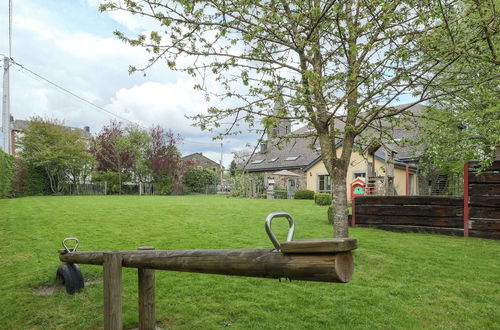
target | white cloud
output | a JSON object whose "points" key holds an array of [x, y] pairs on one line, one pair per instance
{"points": [[163, 104]]}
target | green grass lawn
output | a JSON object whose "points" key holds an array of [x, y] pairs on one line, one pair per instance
{"points": [[401, 280]]}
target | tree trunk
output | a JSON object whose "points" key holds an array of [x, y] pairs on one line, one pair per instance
{"points": [[339, 202]]}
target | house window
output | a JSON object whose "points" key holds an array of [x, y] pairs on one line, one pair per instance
{"points": [[356, 175], [324, 183], [290, 158], [257, 161]]}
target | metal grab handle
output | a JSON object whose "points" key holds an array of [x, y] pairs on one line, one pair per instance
{"points": [[68, 250], [270, 233]]}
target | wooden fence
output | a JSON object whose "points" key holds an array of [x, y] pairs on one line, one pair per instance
{"points": [[483, 201], [411, 213], [475, 214]]}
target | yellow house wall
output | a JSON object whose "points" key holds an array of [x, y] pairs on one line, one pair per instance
{"points": [[358, 164]]}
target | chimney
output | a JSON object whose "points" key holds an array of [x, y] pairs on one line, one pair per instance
{"points": [[86, 129], [263, 147]]}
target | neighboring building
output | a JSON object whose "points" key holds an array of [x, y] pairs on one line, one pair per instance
{"points": [[292, 160], [17, 128], [200, 161]]}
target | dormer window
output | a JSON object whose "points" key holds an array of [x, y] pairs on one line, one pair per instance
{"points": [[291, 158], [257, 161]]}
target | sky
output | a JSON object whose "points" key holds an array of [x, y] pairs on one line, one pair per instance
{"points": [[72, 44]]}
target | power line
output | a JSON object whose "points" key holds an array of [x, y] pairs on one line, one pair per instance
{"points": [[70, 92]]}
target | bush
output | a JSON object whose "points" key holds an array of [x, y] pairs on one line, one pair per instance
{"points": [[199, 178], [304, 194], [164, 185], [112, 180], [29, 180], [323, 199], [6, 174]]}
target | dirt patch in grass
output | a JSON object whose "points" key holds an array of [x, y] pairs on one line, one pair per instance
{"points": [[48, 290]]}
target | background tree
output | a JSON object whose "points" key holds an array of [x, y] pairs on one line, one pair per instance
{"points": [[464, 126], [138, 141], [164, 159], [232, 168], [337, 65], [113, 154], [56, 149]]}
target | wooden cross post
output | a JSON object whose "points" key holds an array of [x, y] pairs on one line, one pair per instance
{"points": [[112, 261], [146, 296]]}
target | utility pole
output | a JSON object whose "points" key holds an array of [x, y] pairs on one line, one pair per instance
{"points": [[6, 97], [5, 107], [221, 155]]}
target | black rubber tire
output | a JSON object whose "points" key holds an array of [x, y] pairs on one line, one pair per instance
{"points": [[70, 275]]}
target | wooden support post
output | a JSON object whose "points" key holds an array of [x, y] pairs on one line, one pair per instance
{"points": [[112, 290], [353, 211], [407, 172], [146, 296], [466, 200]]}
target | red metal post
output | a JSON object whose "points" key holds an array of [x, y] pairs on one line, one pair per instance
{"points": [[466, 200], [353, 211], [407, 190]]}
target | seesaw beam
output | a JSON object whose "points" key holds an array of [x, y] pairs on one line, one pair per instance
{"points": [[267, 263]]}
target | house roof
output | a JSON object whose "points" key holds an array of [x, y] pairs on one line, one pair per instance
{"points": [[199, 154], [22, 125], [294, 152], [307, 152]]}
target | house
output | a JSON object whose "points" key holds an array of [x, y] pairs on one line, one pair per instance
{"points": [[17, 127], [200, 161], [291, 160]]}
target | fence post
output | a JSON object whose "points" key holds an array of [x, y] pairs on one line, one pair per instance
{"points": [[146, 280], [112, 290], [466, 200], [105, 187], [353, 211]]}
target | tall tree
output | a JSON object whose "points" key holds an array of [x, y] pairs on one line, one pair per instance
{"points": [[60, 151], [337, 65]]}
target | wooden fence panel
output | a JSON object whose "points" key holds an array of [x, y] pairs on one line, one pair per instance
{"points": [[484, 202], [410, 200], [449, 222], [409, 210], [484, 189]]}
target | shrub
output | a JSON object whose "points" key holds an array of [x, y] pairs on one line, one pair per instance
{"points": [[112, 180], [199, 178], [6, 174], [304, 194], [29, 180], [330, 217], [323, 199], [164, 185]]}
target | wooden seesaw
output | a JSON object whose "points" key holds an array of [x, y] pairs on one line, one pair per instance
{"points": [[323, 260]]}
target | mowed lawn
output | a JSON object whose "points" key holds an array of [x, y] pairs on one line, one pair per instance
{"points": [[410, 281]]}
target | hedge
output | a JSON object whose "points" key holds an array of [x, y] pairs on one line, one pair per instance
{"points": [[6, 174], [304, 194], [323, 199], [197, 179]]}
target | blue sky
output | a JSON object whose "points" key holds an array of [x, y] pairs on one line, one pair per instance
{"points": [[72, 44]]}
